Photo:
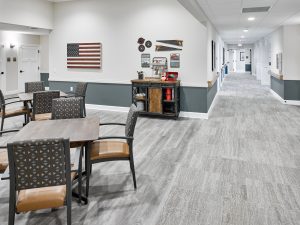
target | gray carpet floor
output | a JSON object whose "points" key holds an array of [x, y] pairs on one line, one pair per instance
{"points": [[240, 167]]}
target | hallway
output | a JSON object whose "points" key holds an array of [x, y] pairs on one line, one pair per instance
{"points": [[244, 162], [240, 167]]}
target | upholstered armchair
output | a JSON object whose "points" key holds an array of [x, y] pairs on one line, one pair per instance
{"points": [[112, 148]]}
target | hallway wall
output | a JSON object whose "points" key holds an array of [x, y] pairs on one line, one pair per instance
{"points": [[284, 40]]}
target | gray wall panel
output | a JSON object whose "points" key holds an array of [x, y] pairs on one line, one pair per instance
{"points": [[192, 99], [277, 86], [45, 78], [292, 90]]}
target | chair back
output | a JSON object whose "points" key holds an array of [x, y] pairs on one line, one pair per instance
{"points": [[42, 101], [67, 108], [39, 163], [2, 101], [131, 120], [34, 86], [81, 89]]}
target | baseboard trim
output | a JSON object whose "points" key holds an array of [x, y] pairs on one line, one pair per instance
{"points": [[192, 115], [286, 102], [107, 108], [212, 105]]}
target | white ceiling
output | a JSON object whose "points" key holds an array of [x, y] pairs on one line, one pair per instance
{"points": [[227, 17]]}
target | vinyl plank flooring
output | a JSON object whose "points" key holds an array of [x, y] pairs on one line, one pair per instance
{"points": [[240, 167]]}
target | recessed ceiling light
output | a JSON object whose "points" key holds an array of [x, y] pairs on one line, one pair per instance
{"points": [[240, 45], [251, 18], [242, 36], [246, 30]]}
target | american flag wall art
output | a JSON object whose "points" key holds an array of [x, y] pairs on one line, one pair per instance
{"points": [[84, 55]]}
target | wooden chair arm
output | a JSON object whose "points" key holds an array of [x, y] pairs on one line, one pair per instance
{"points": [[12, 102], [105, 124], [116, 137]]}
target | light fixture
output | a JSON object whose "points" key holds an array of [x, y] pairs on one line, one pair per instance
{"points": [[242, 36], [245, 30], [251, 18], [240, 45]]}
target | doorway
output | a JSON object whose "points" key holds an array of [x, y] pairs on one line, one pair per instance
{"points": [[28, 65]]}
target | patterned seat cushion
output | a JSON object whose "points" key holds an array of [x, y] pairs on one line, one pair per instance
{"points": [[3, 160], [44, 116]]}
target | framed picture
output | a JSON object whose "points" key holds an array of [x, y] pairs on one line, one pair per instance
{"points": [[145, 60], [213, 55], [175, 60], [279, 62], [242, 56], [223, 56]]}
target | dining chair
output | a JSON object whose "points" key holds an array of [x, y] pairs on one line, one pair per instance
{"points": [[18, 110], [113, 148], [3, 153], [70, 108], [40, 172], [80, 91], [42, 104], [34, 86], [67, 108]]}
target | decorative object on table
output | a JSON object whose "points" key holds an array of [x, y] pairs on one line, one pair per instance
{"points": [[242, 56], [148, 44], [141, 41], [159, 66], [213, 55], [140, 75], [175, 60], [171, 76], [162, 48], [145, 60], [84, 55], [141, 48], [172, 42]]}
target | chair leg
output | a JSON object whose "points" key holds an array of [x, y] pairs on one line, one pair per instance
{"points": [[12, 207], [80, 175], [88, 166], [132, 171], [2, 123], [69, 209]]}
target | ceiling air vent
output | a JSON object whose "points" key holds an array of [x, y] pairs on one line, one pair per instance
{"points": [[256, 9]]}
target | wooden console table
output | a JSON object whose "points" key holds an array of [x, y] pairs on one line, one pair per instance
{"points": [[161, 98]]}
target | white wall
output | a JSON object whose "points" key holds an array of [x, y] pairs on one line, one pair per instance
{"points": [[33, 13], [118, 25], [44, 54], [291, 53]]}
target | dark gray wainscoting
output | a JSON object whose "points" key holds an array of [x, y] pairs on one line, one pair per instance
{"points": [[292, 90], [192, 99], [277, 86], [45, 78], [286, 89]]}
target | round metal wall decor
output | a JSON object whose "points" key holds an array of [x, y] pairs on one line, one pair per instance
{"points": [[148, 44], [141, 41], [141, 48]]}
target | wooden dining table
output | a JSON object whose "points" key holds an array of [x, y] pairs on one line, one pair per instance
{"points": [[80, 130]]}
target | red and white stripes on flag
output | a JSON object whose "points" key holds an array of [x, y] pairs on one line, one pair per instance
{"points": [[84, 55]]}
